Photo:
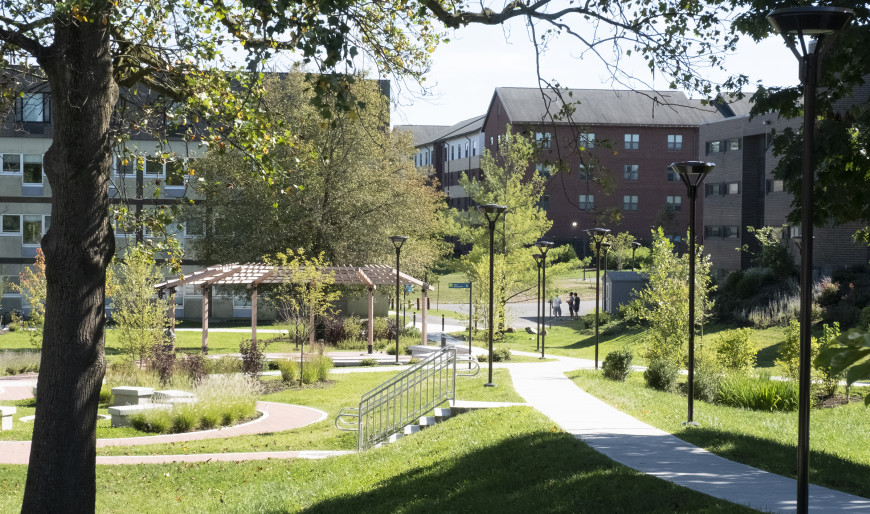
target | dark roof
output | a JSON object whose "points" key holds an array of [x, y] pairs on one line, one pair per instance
{"points": [[469, 126], [626, 276], [421, 134], [605, 107]]}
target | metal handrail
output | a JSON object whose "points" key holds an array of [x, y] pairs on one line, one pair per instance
{"points": [[473, 366], [386, 409]]}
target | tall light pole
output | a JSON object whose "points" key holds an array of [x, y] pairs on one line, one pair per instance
{"points": [[538, 258], [606, 246], [398, 241], [795, 24], [692, 174], [492, 212], [597, 235], [634, 246], [544, 247]]}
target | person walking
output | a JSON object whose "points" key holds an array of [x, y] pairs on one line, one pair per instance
{"points": [[571, 305], [576, 305], [557, 307]]}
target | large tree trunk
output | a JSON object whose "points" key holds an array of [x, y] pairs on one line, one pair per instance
{"points": [[78, 247]]}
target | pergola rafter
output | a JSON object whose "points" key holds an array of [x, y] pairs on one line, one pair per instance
{"points": [[254, 274]]}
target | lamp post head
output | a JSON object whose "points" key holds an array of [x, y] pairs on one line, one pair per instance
{"points": [[398, 241], [492, 211], [635, 244], [606, 245], [692, 173], [598, 234], [544, 246], [815, 21], [538, 258]]}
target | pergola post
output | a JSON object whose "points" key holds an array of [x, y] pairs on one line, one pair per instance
{"points": [[172, 315], [311, 331], [206, 294], [425, 309], [254, 314], [371, 331]]}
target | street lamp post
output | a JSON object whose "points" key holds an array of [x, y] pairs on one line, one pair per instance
{"points": [[538, 258], [634, 246], [398, 241], [544, 247], [606, 245], [492, 212], [692, 174], [597, 235], [822, 24]]}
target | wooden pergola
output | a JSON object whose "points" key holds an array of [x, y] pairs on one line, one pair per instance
{"points": [[254, 274]]}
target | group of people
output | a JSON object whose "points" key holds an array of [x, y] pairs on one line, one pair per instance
{"points": [[573, 306]]}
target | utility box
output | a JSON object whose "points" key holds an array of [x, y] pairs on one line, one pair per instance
{"points": [[622, 287]]}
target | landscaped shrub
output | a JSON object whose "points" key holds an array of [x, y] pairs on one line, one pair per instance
{"points": [[864, 319], [224, 364], [106, 396], [162, 362], [316, 369], [383, 328], [183, 420], [498, 355], [368, 362], [662, 375], [253, 357], [706, 383], [617, 365], [289, 370], [830, 381], [193, 364], [758, 392], [15, 362], [735, 350], [789, 350], [826, 292], [589, 319]]}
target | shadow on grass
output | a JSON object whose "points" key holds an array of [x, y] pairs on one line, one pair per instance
{"points": [[825, 469], [540, 472], [767, 355]]}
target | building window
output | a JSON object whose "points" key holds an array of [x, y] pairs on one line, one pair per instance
{"points": [[732, 145], [153, 169], [675, 142], [632, 141], [675, 203], [630, 171], [11, 224], [545, 202], [712, 231], [586, 202], [733, 188], [629, 203], [672, 176], [32, 169], [31, 230], [775, 186], [714, 189], [714, 146], [730, 231], [585, 172], [175, 172], [33, 108], [586, 141], [542, 139], [474, 148], [543, 169], [12, 163], [466, 149]]}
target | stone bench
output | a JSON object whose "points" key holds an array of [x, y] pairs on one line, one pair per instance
{"points": [[131, 396], [120, 414], [6, 414], [173, 396]]}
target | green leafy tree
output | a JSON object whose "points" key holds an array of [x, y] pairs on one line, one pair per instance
{"points": [[88, 50], [830, 378], [735, 350], [139, 314], [32, 287], [354, 184], [771, 252], [664, 304], [505, 180]]}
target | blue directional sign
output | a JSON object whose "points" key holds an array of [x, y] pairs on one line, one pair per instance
{"points": [[460, 285], [409, 288]]}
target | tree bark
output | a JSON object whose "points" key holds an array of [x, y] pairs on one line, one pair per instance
{"points": [[78, 246]]}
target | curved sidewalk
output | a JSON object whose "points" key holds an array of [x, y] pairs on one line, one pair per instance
{"points": [[277, 417], [658, 453]]}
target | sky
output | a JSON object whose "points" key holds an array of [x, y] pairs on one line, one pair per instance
{"points": [[478, 59]]}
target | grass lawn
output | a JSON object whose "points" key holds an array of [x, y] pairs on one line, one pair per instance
{"points": [[23, 430], [488, 461], [840, 455]]}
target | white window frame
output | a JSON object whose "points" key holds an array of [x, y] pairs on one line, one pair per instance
{"points": [[629, 202], [586, 202], [543, 139], [675, 142], [631, 172], [44, 220], [41, 170], [586, 140], [632, 141], [675, 203]]}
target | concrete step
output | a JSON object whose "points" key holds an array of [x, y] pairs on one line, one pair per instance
{"points": [[427, 421], [460, 407], [441, 413], [395, 437], [411, 429]]}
